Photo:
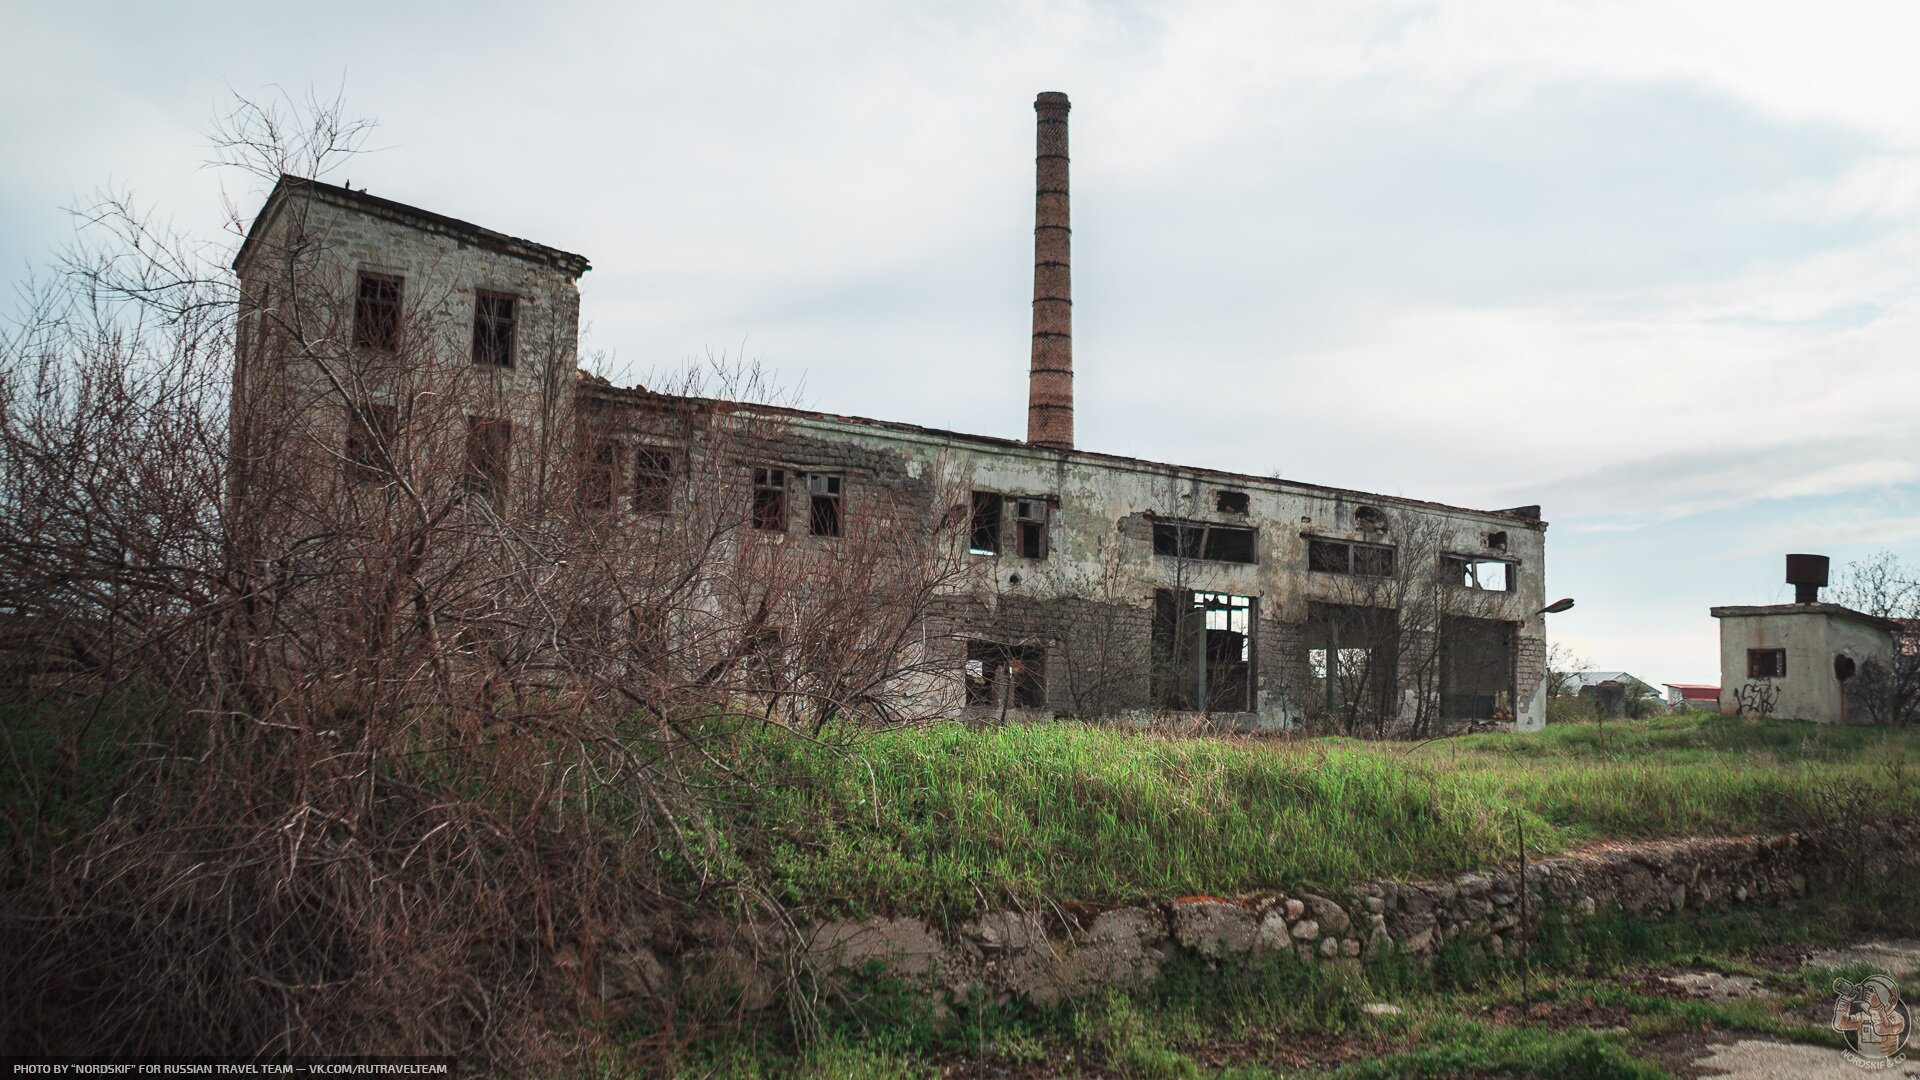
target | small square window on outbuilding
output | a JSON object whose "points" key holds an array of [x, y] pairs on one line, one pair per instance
{"points": [[1766, 663]]}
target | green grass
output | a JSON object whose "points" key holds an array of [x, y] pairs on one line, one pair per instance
{"points": [[947, 820]]}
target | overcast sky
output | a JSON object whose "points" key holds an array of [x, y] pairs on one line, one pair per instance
{"points": [[1655, 266]]}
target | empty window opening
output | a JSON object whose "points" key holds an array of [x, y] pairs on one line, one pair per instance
{"points": [[1203, 651], [652, 480], [823, 514], [376, 312], [770, 499], [1497, 540], [1343, 557], [371, 431], [1766, 663], [994, 669], [1348, 665], [1844, 668], [1030, 528], [493, 329], [1370, 519], [599, 475], [1476, 669], [985, 530], [488, 441], [1490, 575], [1196, 540], [1232, 502]]}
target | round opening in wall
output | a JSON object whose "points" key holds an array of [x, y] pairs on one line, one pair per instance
{"points": [[1843, 667], [1370, 519]]}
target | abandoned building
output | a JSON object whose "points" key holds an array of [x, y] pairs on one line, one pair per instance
{"points": [[1098, 584], [1808, 660]]}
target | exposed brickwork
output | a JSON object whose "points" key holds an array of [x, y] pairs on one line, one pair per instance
{"points": [[1050, 381]]}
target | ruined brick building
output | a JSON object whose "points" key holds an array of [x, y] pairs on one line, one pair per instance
{"points": [[1097, 584]]}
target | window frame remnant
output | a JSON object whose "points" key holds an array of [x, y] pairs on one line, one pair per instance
{"points": [[599, 490], [376, 311], [494, 317], [1031, 519], [1477, 573], [1180, 539], [1228, 501], [994, 669], [769, 506], [1767, 663], [1193, 660], [489, 452], [652, 480], [988, 509], [372, 428], [825, 505], [1356, 558]]}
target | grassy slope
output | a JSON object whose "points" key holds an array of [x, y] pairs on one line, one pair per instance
{"points": [[947, 820]]}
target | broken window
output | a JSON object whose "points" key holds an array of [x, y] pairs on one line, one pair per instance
{"points": [[1476, 669], [1349, 664], [823, 515], [992, 668], [986, 523], [1343, 557], [652, 480], [1766, 663], [1370, 519], [1197, 540], [1202, 651], [599, 475], [493, 329], [1490, 575], [371, 430], [1231, 502], [376, 312], [488, 442], [770, 499], [1497, 540], [1030, 528]]}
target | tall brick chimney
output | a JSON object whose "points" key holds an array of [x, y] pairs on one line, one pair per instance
{"points": [[1050, 380]]}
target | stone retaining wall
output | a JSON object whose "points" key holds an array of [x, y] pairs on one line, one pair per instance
{"points": [[1047, 956]]}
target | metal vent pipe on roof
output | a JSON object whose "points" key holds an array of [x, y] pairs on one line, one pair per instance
{"points": [[1806, 573], [1050, 379]]}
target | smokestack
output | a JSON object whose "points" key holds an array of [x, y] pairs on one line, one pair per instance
{"points": [[1806, 573], [1050, 380]]}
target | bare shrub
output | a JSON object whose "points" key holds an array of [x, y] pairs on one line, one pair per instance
{"points": [[407, 734]]}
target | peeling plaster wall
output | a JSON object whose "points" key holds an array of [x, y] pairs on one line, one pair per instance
{"points": [[1101, 563]]}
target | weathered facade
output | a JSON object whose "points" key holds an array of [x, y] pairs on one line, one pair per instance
{"points": [[1094, 584]]}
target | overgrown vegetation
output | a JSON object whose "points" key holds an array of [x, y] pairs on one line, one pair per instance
{"points": [[947, 819]]}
